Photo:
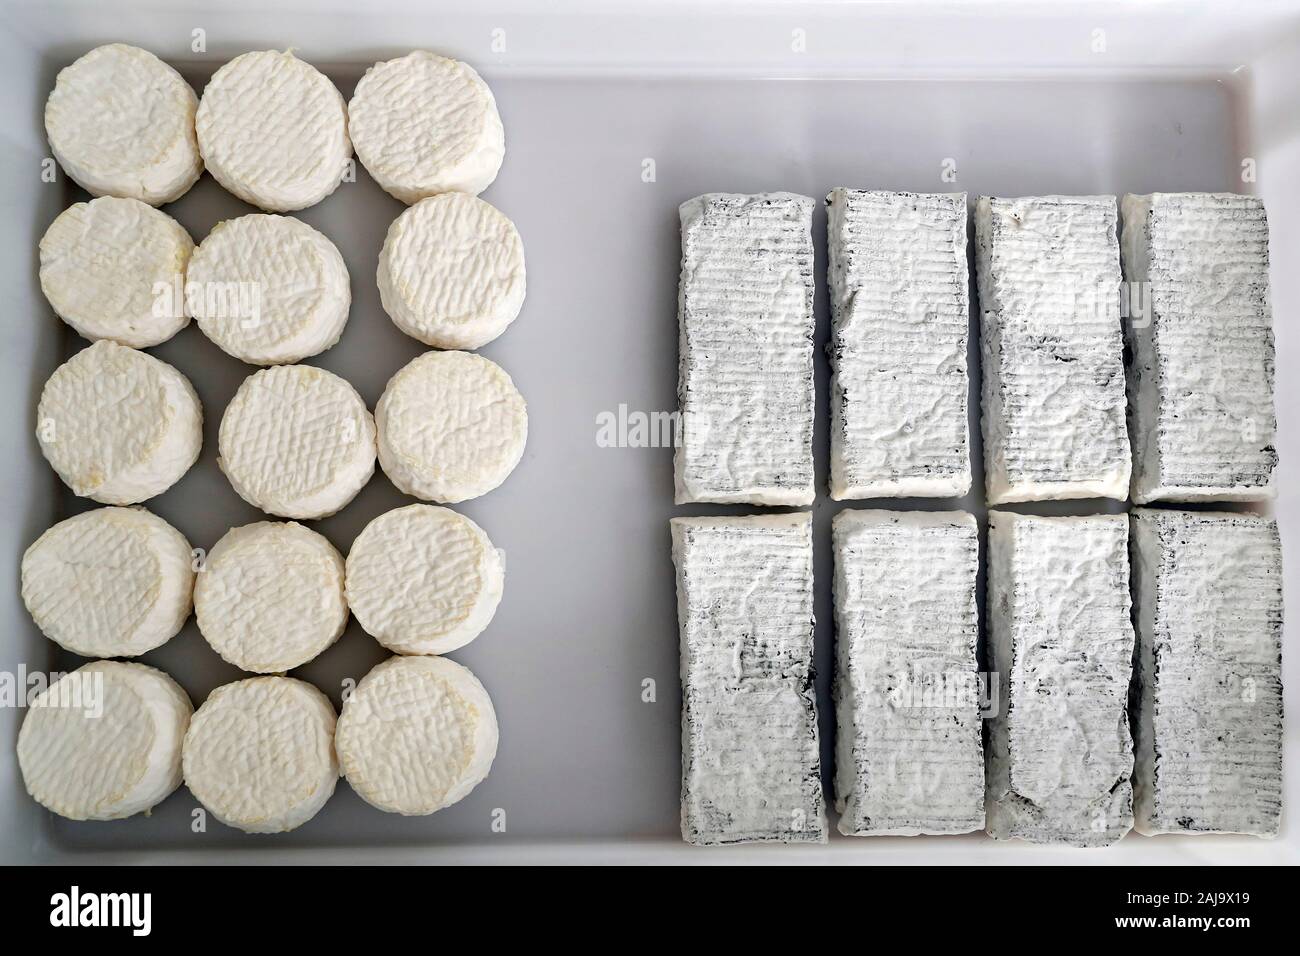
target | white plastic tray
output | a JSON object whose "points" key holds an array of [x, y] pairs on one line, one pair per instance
{"points": [[719, 99]]}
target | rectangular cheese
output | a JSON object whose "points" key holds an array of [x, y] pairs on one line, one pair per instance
{"points": [[1053, 351], [1208, 587], [909, 753], [1060, 756], [751, 764], [900, 313], [745, 378], [1200, 337]]}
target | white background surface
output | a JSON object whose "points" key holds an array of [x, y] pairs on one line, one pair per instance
{"points": [[884, 94]]}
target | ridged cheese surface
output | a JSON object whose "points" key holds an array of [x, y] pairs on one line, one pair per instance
{"points": [[423, 579], [270, 596], [121, 123], [1202, 371], [273, 130], [1208, 587], [452, 426], [745, 378], [269, 290], [297, 442], [113, 582], [103, 263], [104, 742], [451, 272], [118, 425], [424, 124], [1053, 352], [416, 735], [751, 765], [909, 750], [900, 319], [259, 754], [1060, 756]]}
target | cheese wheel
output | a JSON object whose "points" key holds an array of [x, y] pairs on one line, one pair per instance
{"points": [[104, 742], [424, 124], [269, 289], [273, 130], [259, 754], [416, 735], [451, 425], [270, 596], [121, 123], [297, 441], [451, 272], [113, 582], [423, 579], [115, 269], [118, 425]]}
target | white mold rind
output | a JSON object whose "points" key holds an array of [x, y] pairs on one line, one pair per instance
{"points": [[751, 768], [900, 318]]}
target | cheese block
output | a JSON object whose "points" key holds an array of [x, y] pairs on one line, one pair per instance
{"points": [[113, 582], [751, 764], [745, 376], [423, 579], [273, 130], [270, 596], [900, 316], [297, 441], [1201, 343], [1208, 701], [1053, 352], [121, 123], [118, 425], [269, 290], [259, 754], [451, 272], [909, 749], [111, 267], [417, 735], [424, 124], [104, 742], [452, 426], [1059, 755]]}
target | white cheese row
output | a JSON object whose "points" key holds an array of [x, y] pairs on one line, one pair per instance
{"points": [[1059, 765], [271, 290], [1199, 402], [120, 426], [271, 128], [118, 582], [114, 739]]}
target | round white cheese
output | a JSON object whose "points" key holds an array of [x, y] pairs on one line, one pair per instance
{"points": [[423, 124], [416, 735], [452, 426], [423, 580], [269, 290], [297, 441], [104, 742], [451, 272], [259, 754], [114, 582], [274, 131], [270, 596], [118, 425], [115, 269], [121, 123]]}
